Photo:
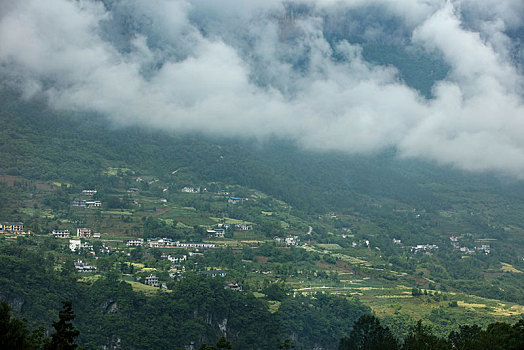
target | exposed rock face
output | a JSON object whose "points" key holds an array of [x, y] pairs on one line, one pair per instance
{"points": [[223, 326], [109, 307], [15, 302]]}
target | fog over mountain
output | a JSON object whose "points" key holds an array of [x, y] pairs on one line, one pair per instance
{"points": [[310, 71]]}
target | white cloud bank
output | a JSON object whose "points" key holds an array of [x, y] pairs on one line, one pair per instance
{"points": [[255, 69]]}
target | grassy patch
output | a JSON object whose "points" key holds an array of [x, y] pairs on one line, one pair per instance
{"points": [[89, 279], [143, 288], [273, 306], [116, 212], [509, 268], [330, 246]]}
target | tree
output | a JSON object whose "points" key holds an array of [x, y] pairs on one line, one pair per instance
{"points": [[276, 291], [13, 332], [65, 332], [422, 338], [368, 334], [501, 335], [288, 344], [222, 343], [467, 338]]}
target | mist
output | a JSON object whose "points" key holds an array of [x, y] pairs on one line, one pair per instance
{"points": [[295, 70]]}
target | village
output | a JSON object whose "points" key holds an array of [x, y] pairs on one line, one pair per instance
{"points": [[154, 235]]}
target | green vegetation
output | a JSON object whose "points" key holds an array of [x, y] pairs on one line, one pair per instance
{"points": [[315, 241], [108, 308], [368, 333]]}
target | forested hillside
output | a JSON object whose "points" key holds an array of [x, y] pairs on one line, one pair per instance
{"points": [[196, 310], [328, 236]]}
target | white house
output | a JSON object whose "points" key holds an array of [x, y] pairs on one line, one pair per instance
{"points": [[293, 240], [75, 244], [161, 243], [243, 227], [424, 247], [135, 243], [61, 233], [175, 259], [235, 200], [190, 190], [152, 280], [92, 204], [81, 267], [83, 232]]}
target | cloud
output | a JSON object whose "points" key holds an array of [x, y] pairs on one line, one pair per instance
{"points": [[294, 70]]}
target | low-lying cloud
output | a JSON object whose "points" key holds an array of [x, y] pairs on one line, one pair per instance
{"points": [[291, 69]]}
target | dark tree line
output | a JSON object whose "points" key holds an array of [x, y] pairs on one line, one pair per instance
{"points": [[14, 333], [369, 334]]}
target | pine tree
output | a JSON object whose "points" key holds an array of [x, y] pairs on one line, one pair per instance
{"points": [[65, 332], [368, 334]]}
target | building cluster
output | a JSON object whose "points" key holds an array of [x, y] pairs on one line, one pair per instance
{"points": [[174, 259], [238, 227], [243, 227], [424, 248], [484, 248], [217, 233], [236, 200], [88, 192], [86, 204], [291, 240], [364, 242], [80, 232], [188, 189], [76, 244], [82, 267], [177, 271]]}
